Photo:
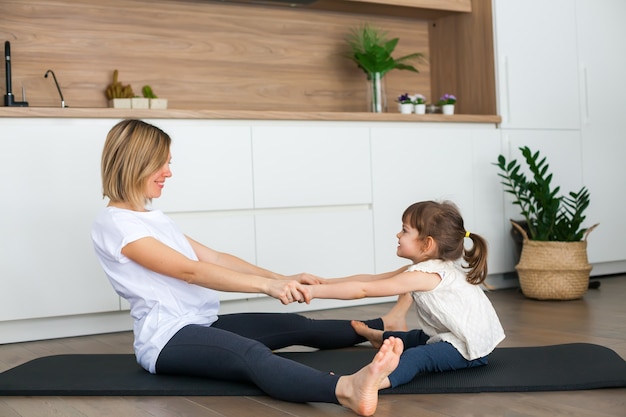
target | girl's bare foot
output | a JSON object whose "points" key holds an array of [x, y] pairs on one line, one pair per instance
{"points": [[359, 391], [374, 336], [395, 319]]}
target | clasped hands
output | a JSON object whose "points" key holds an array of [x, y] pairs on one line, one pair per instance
{"points": [[294, 288]]}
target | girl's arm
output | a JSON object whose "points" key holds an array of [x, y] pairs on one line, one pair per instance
{"points": [[158, 257], [400, 283], [355, 278]]}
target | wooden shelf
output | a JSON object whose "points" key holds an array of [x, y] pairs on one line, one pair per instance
{"points": [[413, 9], [106, 113]]}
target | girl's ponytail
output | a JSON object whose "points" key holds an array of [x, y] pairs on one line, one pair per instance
{"points": [[476, 259]]}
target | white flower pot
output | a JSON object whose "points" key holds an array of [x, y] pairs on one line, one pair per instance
{"points": [[447, 109], [120, 103], [140, 103], [405, 108], [158, 103], [420, 109]]}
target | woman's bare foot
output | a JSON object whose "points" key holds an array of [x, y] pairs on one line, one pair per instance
{"points": [[395, 319], [374, 336], [359, 391]]}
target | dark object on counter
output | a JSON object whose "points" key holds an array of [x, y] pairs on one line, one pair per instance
{"points": [[9, 99], [57, 84]]}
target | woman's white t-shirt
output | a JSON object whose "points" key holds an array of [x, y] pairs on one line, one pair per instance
{"points": [[456, 311], [160, 305]]}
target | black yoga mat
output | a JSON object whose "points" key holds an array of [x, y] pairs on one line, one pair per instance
{"points": [[548, 368]]}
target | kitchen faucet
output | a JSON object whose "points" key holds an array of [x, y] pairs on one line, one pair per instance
{"points": [[57, 84]]}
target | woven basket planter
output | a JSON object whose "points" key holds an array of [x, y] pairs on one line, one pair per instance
{"points": [[553, 270]]}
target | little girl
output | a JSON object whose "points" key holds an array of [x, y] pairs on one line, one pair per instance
{"points": [[458, 326]]}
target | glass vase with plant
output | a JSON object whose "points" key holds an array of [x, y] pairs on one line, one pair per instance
{"points": [[371, 50]]}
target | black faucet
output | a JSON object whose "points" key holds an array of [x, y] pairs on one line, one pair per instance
{"points": [[57, 84], [9, 98]]}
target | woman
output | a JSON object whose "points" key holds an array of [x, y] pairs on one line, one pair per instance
{"points": [[171, 283]]}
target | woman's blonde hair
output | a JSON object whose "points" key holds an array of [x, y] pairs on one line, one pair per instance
{"points": [[133, 151], [443, 222]]}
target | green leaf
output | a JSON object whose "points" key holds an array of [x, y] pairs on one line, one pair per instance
{"points": [[550, 216]]}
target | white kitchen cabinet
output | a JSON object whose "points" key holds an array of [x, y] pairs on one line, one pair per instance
{"points": [[325, 242], [603, 88], [537, 64], [230, 232], [438, 163], [211, 167], [313, 164], [51, 192]]}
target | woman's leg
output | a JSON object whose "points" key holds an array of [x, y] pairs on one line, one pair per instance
{"points": [[278, 330], [218, 354], [214, 353], [434, 357]]}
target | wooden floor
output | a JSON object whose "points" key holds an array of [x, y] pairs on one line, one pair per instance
{"points": [[600, 317]]}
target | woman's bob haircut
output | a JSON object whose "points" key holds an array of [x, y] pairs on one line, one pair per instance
{"points": [[133, 151]]}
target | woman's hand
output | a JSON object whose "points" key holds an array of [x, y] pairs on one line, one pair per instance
{"points": [[309, 279], [287, 291]]}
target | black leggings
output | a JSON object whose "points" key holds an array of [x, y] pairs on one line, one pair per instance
{"points": [[239, 347]]}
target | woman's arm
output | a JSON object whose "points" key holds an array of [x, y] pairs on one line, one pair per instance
{"points": [[397, 284], [158, 257], [229, 261]]}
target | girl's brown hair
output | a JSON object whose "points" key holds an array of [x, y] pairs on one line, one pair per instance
{"points": [[133, 151], [443, 222]]}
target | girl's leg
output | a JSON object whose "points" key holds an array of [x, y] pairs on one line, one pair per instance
{"points": [[376, 337], [395, 319], [434, 357], [278, 330], [218, 354]]}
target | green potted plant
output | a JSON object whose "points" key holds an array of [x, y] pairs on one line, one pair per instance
{"points": [[447, 102], [119, 95], [155, 102], [419, 102], [371, 50], [405, 103], [553, 262]]}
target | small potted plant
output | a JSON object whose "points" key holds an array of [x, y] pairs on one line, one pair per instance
{"points": [[419, 103], [447, 102], [553, 263], [405, 103], [371, 50], [119, 95], [155, 102]]}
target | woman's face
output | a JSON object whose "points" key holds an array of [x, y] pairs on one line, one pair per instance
{"points": [[156, 181]]}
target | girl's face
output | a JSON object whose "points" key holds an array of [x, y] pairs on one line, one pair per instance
{"points": [[156, 181], [409, 244]]}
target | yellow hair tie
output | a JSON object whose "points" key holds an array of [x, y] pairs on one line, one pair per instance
{"points": [[467, 234]]}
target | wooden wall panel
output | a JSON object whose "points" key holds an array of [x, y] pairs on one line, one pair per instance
{"points": [[462, 57], [198, 54]]}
